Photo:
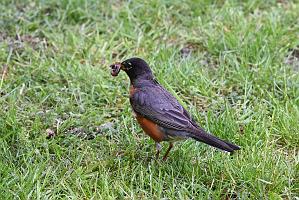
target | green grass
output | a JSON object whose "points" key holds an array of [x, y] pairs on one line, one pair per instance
{"points": [[240, 82]]}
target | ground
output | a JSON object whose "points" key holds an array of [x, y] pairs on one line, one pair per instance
{"points": [[66, 125]]}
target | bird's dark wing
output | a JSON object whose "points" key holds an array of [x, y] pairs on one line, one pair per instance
{"points": [[157, 104]]}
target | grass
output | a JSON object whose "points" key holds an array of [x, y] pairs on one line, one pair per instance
{"points": [[234, 65]]}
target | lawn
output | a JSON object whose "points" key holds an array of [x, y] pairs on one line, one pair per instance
{"points": [[66, 127]]}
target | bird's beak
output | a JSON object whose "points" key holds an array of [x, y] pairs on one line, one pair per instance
{"points": [[115, 68]]}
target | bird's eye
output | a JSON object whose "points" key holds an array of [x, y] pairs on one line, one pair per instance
{"points": [[128, 65]]}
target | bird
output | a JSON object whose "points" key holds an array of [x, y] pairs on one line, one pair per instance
{"points": [[159, 113]]}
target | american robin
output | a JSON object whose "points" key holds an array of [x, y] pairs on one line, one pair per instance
{"points": [[158, 112]]}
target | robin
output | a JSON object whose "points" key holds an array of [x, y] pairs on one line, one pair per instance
{"points": [[158, 112]]}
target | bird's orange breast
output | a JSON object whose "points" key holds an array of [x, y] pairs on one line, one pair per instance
{"points": [[132, 90], [151, 128]]}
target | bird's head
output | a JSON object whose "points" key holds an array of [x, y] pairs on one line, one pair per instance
{"points": [[134, 67]]}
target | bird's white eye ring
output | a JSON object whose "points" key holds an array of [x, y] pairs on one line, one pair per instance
{"points": [[130, 65], [127, 65]]}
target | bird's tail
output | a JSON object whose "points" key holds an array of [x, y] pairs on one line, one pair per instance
{"points": [[209, 139]]}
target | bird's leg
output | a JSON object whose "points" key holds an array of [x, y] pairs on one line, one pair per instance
{"points": [[168, 150], [158, 148]]}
